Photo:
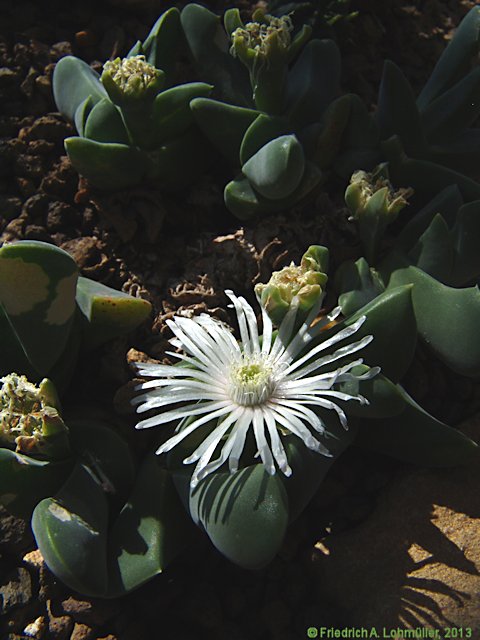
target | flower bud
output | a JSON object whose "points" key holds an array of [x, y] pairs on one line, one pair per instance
{"points": [[374, 191], [29, 418], [267, 39], [304, 285], [131, 80], [374, 204]]}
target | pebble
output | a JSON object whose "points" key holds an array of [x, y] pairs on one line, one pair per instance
{"points": [[15, 590]]}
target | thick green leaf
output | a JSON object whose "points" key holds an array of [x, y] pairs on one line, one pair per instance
{"points": [[426, 178], [232, 21], [81, 114], [455, 110], [385, 399], [460, 153], [264, 129], [397, 113], [74, 81], [417, 437], [447, 202], [62, 371], [178, 163], [276, 170], [71, 533], [13, 355], [391, 321], [151, 530], [104, 124], [162, 43], [24, 481], [209, 46], [136, 50], [108, 313], [106, 166], [223, 124], [37, 294], [447, 319], [361, 131], [107, 455], [242, 200], [434, 252], [309, 468], [171, 114], [245, 514], [314, 82], [329, 141], [466, 233], [357, 285], [455, 61]]}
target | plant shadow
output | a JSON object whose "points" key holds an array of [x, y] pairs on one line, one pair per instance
{"points": [[416, 561]]}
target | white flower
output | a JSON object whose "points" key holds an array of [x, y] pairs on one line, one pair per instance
{"points": [[266, 384]]}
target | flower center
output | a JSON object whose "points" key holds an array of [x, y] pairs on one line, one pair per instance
{"points": [[251, 383]]}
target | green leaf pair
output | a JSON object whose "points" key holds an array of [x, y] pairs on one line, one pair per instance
{"points": [[48, 312], [123, 535]]}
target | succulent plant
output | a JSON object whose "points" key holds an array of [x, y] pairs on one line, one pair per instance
{"points": [[117, 539], [124, 534], [321, 15], [48, 314], [133, 125], [436, 254], [279, 116], [439, 125]]}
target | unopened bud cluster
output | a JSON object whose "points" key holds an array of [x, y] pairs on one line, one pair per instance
{"points": [[28, 415], [363, 186], [257, 35], [131, 79]]}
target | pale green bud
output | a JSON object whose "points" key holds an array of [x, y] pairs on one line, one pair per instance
{"points": [[374, 191], [29, 418], [303, 284]]}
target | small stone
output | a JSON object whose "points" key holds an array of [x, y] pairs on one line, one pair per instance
{"points": [[60, 50], [35, 629], [34, 559], [29, 166], [36, 232], [61, 216], [16, 590], [36, 206], [59, 627], [82, 632], [87, 612]]}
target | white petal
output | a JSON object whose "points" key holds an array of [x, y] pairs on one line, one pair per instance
{"points": [[183, 412], [277, 446], [262, 444], [178, 437], [322, 361], [242, 323], [236, 439]]}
